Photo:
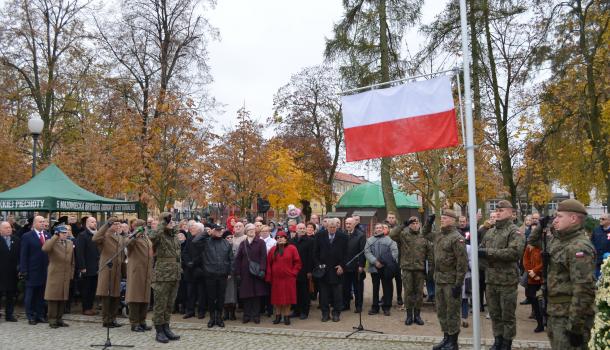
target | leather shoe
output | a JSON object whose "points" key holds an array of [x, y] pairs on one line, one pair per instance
{"points": [[386, 312], [325, 318], [32, 322], [336, 318], [136, 328], [188, 315], [201, 316], [42, 320], [11, 319], [145, 327], [303, 317], [63, 324], [89, 313], [373, 312], [53, 325]]}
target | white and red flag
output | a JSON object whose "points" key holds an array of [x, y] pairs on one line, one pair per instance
{"points": [[408, 118]]}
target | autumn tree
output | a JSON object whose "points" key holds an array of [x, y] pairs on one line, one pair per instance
{"points": [[366, 44], [307, 117]]}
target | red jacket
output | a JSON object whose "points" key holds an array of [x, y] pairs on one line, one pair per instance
{"points": [[532, 260], [282, 273]]}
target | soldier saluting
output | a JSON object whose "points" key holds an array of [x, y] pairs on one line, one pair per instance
{"points": [[570, 278], [166, 276]]}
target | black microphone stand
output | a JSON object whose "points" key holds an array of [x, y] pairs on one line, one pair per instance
{"points": [[108, 264], [360, 327]]}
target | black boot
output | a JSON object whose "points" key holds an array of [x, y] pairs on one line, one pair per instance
{"points": [[409, 320], [136, 328], [278, 319], [452, 342], [497, 343], [538, 316], [219, 322], [418, 321], [161, 337], [442, 343], [169, 333], [145, 327], [212, 320], [507, 344], [287, 320]]}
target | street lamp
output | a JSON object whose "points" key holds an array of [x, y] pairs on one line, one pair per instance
{"points": [[35, 125]]}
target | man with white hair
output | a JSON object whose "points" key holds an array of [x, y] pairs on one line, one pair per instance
{"points": [[33, 267], [9, 261], [193, 271]]}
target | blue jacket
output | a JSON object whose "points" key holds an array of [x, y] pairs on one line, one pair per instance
{"points": [[601, 242], [33, 260]]}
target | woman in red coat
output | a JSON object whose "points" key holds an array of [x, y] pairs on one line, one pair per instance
{"points": [[532, 263], [283, 265]]}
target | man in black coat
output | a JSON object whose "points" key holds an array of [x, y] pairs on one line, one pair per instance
{"points": [[353, 278], [193, 271], [305, 246], [33, 263], [9, 263], [330, 252], [87, 262]]}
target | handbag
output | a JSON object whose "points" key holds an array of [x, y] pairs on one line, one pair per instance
{"points": [[254, 267]]}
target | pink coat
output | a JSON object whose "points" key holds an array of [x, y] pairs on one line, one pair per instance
{"points": [[282, 273]]}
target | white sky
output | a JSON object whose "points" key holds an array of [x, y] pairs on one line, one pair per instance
{"points": [[263, 43]]}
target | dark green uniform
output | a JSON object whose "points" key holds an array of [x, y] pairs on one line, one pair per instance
{"points": [[166, 274], [415, 249], [450, 266], [503, 245]]}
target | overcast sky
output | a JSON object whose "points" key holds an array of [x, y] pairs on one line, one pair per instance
{"points": [[263, 43]]}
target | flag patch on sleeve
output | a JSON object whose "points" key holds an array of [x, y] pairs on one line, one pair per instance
{"points": [[580, 254]]}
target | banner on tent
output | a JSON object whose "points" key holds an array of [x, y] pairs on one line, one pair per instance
{"points": [[45, 204]]}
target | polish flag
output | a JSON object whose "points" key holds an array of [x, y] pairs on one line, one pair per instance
{"points": [[408, 118]]}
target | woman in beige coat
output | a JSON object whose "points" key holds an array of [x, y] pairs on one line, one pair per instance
{"points": [[110, 242], [139, 273], [60, 272]]}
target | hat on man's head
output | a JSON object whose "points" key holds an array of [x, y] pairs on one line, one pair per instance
{"points": [[216, 227], [60, 229], [572, 205], [449, 212], [504, 204]]}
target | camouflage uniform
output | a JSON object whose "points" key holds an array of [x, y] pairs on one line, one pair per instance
{"points": [[571, 287], [415, 249], [450, 266], [503, 246], [166, 274]]}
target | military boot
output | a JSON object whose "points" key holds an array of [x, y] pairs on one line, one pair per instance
{"points": [[418, 320], [452, 342], [161, 337], [409, 319], [442, 343], [507, 344], [168, 332], [497, 343]]}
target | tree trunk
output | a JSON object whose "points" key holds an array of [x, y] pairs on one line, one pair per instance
{"points": [[386, 163]]}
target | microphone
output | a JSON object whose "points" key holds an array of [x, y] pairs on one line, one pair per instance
{"points": [[139, 230]]}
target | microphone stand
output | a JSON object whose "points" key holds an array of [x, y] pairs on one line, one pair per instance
{"points": [[360, 327], [108, 264]]}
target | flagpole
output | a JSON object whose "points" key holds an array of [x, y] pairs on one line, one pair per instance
{"points": [[472, 199], [345, 92]]}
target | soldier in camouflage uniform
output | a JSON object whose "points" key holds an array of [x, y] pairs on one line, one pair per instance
{"points": [[414, 250], [450, 266], [166, 276], [500, 250], [570, 278]]}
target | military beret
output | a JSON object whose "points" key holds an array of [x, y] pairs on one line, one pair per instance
{"points": [[504, 204], [449, 212], [572, 205]]}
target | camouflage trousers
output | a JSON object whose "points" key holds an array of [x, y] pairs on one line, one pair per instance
{"points": [[556, 329], [502, 303], [448, 309], [413, 285], [165, 296]]}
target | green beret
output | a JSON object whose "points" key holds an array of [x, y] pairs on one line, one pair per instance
{"points": [[165, 215], [449, 212], [572, 205], [504, 204]]}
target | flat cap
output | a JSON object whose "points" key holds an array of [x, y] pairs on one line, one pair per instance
{"points": [[449, 212], [504, 204], [572, 205]]}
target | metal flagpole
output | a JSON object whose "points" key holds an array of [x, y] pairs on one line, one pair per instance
{"points": [[472, 199]]}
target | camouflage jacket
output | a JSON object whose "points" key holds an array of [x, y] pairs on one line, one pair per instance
{"points": [[167, 253], [570, 281], [415, 249], [504, 246], [450, 257]]}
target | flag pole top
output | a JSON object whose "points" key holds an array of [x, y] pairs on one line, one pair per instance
{"points": [[454, 70]]}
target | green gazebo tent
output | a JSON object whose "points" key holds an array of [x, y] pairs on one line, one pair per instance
{"points": [[51, 190], [369, 195]]}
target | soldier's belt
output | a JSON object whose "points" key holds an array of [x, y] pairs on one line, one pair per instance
{"points": [[560, 299], [176, 259]]}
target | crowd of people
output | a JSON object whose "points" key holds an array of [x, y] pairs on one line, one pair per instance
{"points": [[266, 269]]}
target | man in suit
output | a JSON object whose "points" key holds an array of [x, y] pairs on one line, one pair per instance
{"points": [[9, 263], [87, 261], [353, 278], [331, 251], [33, 268]]}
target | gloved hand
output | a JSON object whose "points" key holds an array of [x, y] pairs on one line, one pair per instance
{"points": [[575, 339], [456, 292], [482, 253], [544, 222], [431, 219]]}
